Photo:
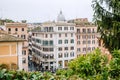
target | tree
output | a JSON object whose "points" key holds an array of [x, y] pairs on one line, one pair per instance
{"points": [[91, 66], [107, 17], [9, 21], [115, 65], [24, 21]]}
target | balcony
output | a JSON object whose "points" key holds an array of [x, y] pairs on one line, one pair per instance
{"points": [[30, 57]]}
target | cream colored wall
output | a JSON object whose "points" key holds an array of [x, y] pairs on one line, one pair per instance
{"points": [[25, 65], [20, 55]]}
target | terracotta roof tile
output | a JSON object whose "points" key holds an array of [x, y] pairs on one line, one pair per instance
{"points": [[9, 38]]}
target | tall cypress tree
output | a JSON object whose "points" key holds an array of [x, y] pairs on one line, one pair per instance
{"points": [[107, 17]]}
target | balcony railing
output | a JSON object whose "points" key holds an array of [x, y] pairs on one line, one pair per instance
{"points": [[85, 32]]}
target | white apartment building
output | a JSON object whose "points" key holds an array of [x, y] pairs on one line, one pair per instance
{"points": [[54, 44]]}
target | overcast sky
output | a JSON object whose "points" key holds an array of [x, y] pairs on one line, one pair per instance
{"points": [[45, 10]]}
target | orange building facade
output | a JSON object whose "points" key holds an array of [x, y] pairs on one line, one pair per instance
{"points": [[20, 30], [11, 51]]}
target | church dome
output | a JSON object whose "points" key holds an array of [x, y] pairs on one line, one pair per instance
{"points": [[60, 17]]}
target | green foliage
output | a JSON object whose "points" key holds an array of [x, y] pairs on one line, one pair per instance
{"points": [[24, 21], [89, 65], [9, 21], [67, 73], [92, 66], [36, 29], [115, 65], [108, 20], [3, 21], [5, 75]]}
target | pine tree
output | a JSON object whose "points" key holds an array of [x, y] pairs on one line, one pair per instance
{"points": [[107, 17]]}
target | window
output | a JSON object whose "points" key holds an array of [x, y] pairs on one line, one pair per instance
{"points": [[22, 29], [66, 42], [84, 36], [37, 40], [45, 49], [24, 37], [50, 35], [46, 29], [9, 29], [72, 54], [51, 49], [59, 35], [99, 42], [89, 48], [51, 29], [33, 39], [65, 54], [65, 28], [84, 42], [84, 30], [89, 36], [93, 48], [66, 48], [78, 49], [46, 56], [72, 41], [59, 28], [93, 30], [23, 60], [71, 34], [71, 28], [72, 48], [84, 49], [33, 34], [78, 36], [93, 36], [78, 30], [45, 43], [89, 42], [60, 48], [93, 41], [60, 63], [60, 55], [60, 42], [65, 34], [24, 52], [46, 35], [78, 42], [89, 30], [51, 42], [66, 63], [16, 29], [51, 56]]}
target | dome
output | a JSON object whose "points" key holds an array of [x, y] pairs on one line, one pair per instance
{"points": [[60, 17]]}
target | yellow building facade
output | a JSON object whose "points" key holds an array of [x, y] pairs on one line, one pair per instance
{"points": [[20, 31], [11, 51]]}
